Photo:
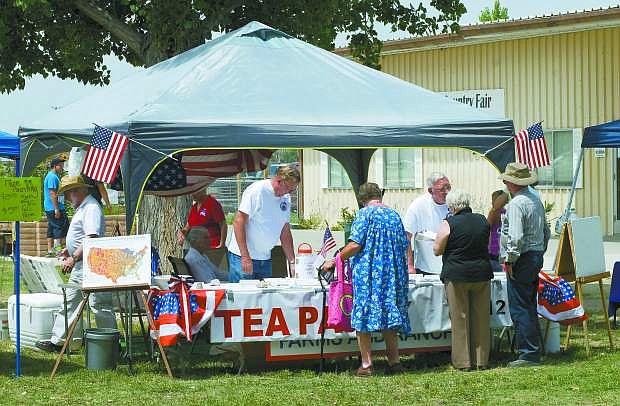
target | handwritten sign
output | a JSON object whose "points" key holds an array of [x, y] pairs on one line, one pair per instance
{"points": [[20, 199]]}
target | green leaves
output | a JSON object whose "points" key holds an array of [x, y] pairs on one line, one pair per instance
{"points": [[69, 38]]}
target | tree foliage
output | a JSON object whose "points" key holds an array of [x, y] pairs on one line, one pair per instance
{"points": [[69, 38], [498, 13]]}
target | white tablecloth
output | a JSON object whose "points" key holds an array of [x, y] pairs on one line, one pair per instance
{"points": [[289, 310]]}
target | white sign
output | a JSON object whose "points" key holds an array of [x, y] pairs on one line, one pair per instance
{"points": [[489, 100], [294, 314], [113, 262]]}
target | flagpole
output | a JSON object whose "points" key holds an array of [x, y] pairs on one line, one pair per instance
{"points": [[144, 145]]}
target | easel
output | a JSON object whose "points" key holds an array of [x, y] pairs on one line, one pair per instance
{"points": [[86, 293], [566, 266]]}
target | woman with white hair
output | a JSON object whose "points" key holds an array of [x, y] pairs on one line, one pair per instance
{"points": [[463, 240]]}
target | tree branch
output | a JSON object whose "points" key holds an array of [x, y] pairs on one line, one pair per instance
{"points": [[133, 39]]}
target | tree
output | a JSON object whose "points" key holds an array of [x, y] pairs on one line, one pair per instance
{"points": [[69, 38], [497, 14]]}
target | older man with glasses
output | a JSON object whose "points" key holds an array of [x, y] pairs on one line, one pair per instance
{"points": [[262, 219], [426, 214]]}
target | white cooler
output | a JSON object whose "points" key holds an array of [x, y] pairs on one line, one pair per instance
{"points": [[37, 312]]}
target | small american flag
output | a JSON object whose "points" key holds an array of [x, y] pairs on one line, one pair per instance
{"points": [[328, 242], [104, 154], [531, 147]]}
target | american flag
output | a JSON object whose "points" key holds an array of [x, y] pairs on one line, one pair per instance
{"points": [[104, 154], [179, 311], [531, 147], [557, 300], [196, 169], [328, 242]]}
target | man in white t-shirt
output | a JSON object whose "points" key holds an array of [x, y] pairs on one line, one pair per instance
{"points": [[426, 214], [262, 219]]}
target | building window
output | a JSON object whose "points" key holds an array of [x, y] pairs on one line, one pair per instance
{"points": [[563, 147], [399, 168], [337, 175]]}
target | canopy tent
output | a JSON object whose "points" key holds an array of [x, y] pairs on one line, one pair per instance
{"points": [[9, 145], [257, 88], [9, 148], [605, 135]]}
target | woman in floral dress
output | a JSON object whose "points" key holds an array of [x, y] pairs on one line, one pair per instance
{"points": [[377, 248]]}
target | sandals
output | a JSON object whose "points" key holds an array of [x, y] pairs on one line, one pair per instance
{"points": [[395, 369], [364, 372]]}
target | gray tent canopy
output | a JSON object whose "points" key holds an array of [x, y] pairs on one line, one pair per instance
{"points": [[259, 88]]}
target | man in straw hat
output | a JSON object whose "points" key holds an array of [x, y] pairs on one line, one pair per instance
{"points": [[523, 242], [87, 222]]}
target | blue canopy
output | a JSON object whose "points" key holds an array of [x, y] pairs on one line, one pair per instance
{"points": [[9, 145], [605, 135]]}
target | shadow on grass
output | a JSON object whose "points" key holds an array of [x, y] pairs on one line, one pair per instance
{"points": [[34, 363]]}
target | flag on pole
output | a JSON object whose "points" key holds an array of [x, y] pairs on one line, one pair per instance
{"points": [[328, 242], [531, 147], [104, 154]]}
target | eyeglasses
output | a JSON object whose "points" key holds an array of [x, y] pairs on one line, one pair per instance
{"points": [[289, 188], [445, 188]]}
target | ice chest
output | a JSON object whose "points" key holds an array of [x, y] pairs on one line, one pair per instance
{"points": [[37, 312]]}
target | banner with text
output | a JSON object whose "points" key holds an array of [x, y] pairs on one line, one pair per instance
{"points": [[286, 314]]}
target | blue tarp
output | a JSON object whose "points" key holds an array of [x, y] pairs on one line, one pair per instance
{"points": [[605, 135], [9, 145]]}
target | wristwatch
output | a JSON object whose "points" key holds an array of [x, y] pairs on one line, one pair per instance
{"points": [[75, 259]]}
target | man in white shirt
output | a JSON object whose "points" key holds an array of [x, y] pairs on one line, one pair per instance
{"points": [[262, 219], [87, 222], [426, 214]]}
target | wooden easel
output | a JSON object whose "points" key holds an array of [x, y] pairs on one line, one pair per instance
{"points": [[86, 293], [566, 266]]}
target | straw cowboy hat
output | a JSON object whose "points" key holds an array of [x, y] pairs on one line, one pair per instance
{"points": [[72, 182], [519, 174]]}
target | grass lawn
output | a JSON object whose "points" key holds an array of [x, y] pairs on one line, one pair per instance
{"points": [[567, 378]]}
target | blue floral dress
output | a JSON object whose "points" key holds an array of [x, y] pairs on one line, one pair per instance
{"points": [[380, 278]]}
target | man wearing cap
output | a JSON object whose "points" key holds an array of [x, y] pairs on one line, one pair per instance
{"points": [[523, 242], [87, 222], [53, 204]]}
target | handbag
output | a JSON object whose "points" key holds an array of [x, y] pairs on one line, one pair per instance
{"points": [[340, 298]]}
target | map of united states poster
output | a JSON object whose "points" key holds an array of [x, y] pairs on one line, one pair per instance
{"points": [[117, 262]]}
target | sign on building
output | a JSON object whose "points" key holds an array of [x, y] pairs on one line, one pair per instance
{"points": [[489, 100]]}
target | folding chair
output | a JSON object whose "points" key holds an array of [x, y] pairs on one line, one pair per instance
{"points": [[614, 293], [179, 266]]}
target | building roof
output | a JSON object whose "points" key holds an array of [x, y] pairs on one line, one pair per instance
{"points": [[571, 21]]}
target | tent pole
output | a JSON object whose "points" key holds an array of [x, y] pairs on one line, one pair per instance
{"points": [[574, 185], [17, 299]]}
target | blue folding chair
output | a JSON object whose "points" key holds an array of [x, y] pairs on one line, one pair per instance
{"points": [[614, 292]]}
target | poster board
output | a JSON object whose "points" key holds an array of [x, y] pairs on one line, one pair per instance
{"points": [[20, 199], [117, 262], [580, 251]]}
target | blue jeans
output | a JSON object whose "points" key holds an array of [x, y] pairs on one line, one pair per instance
{"points": [[261, 268], [522, 304]]}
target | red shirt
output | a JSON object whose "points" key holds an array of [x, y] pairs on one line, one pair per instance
{"points": [[209, 215]]}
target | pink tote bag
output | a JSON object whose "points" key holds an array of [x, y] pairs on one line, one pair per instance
{"points": [[340, 298]]}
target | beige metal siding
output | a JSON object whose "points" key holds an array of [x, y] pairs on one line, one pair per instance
{"points": [[568, 80]]}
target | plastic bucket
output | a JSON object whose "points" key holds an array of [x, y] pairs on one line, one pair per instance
{"points": [[4, 324], [552, 343], [101, 348]]}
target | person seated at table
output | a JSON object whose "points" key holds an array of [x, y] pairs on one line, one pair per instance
{"points": [[463, 240], [378, 250], [201, 267]]}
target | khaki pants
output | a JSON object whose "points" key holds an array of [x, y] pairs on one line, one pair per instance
{"points": [[470, 306]]}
